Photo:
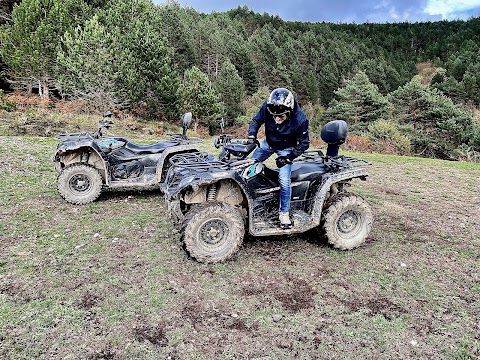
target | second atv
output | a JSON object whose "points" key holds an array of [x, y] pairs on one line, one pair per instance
{"points": [[89, 162], [216, 201]]}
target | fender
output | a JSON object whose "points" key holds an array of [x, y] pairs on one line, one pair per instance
{"points": [[167, 153], [221, 185], [331, 180], [78, 148]]}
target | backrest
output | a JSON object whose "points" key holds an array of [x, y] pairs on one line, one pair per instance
{"points": [[334, 134]]}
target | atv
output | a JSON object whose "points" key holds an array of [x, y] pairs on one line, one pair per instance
{"points": [[216, 200], [89, 162]]}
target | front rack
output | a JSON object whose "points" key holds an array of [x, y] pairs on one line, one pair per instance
{"points": [[200, 161]]}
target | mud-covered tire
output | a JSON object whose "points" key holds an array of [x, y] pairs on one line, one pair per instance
{"points": [[175, 213], [347, 221], [212, 232], [79, 184]]}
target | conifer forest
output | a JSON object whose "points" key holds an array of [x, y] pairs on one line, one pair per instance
{"points": [[412, 87]]}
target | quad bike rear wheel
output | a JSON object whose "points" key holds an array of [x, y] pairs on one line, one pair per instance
{"points": [[212, 232], [79, 184], [347, 221]]}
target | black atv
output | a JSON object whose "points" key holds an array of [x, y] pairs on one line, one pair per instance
{"points": [[214, 200], [88, 162]]}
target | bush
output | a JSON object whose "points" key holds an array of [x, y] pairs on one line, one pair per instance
{"points": [[466, 153], [387, 135], [6, 104], [314, 112]]}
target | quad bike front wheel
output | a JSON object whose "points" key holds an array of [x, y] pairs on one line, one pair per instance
{"points": [[347, 221], [79, 184], [212, 232]]}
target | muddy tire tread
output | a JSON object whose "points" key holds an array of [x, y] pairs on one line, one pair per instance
{"points": [[202, 212]]}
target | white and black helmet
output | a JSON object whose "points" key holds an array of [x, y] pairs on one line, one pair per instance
{"points": [[280, 102]]}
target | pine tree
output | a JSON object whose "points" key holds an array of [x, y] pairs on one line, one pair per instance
{"points": [[238, 53], [175, 26], [87, 67], [143, 56], [231, 90], [438, 126], [471, 81], [29, 42], [359, 101], [200, 98]]}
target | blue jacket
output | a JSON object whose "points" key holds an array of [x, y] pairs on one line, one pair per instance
{"points": [[293, 132]]}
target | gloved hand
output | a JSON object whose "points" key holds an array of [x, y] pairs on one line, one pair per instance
{"points": [[282, 161], [253, 140]]}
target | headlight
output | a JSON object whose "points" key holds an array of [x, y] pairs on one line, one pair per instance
{"points": [[186, 181]]}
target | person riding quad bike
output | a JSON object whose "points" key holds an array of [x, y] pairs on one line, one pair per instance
{"points": [[215, 201], [286, 132]]}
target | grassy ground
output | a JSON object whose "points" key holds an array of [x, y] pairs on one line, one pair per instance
{"points": [[110, 280]]}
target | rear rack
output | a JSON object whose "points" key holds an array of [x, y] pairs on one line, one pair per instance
{"points": [[334, 162], [346, 161]]}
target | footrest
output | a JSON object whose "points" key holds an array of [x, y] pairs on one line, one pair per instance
{"points": [[271, 225]]}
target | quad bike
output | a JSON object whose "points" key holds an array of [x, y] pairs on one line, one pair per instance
{"points": [[216, 200], [88, 162]]}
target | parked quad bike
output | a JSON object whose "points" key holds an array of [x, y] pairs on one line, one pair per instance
{"points": [[216, 201], [89, 162]]}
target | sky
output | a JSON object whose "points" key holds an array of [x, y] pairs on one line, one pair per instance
{"points": [[348, 11]]}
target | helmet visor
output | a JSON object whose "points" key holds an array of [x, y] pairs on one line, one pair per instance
{"points": [[277, 110]]}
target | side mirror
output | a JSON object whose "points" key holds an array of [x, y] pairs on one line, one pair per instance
{"points": [[334, 134], [185, 122]]}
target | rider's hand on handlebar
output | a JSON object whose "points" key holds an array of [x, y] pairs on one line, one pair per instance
{"points": [[282, 161]]}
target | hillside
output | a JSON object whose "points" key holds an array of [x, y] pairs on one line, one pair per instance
{"points": [[160, 61], [75, 284]]}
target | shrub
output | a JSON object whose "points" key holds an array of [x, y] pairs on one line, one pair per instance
{"points": [[466, 153], [386, 134], [314, 112], [6, 104]]}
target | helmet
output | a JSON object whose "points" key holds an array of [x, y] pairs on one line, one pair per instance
{"points": [[280, 102]]}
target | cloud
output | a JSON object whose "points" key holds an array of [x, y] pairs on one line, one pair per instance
{"points": [[347, 11], [451, 9]]}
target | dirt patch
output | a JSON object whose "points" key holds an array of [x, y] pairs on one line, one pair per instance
{"points": [[375, 306], [294, 294], [89, 300], [241, 325], [105, 354], [155, 334], [16, 292]]}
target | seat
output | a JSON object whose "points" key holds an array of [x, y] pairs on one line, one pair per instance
{"points": [[301, 171], [150, 149], [305, 171]]}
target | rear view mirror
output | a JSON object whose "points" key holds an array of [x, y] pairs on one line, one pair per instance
{"points": [[185, 123], [186, 120]]}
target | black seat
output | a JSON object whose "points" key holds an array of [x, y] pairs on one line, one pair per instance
{"points": [[301, 171], [150, 149]]}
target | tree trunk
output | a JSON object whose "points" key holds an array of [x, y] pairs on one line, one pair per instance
{"points": [[208, 65], [195, 125], [46, 91], [43, 89]]}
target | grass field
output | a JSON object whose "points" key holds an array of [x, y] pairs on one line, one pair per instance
{"points": [[110, 280]]}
